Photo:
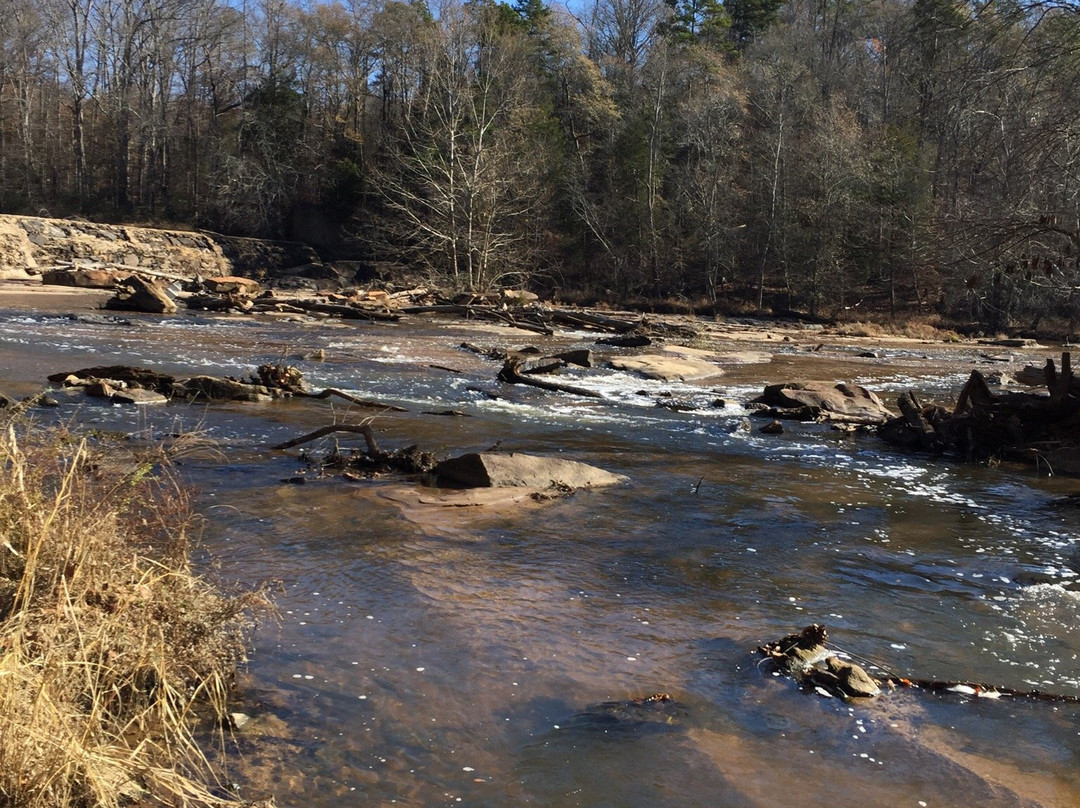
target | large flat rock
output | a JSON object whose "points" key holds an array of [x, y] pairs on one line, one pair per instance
{"points": [[724, 358], [493, 470], [843, 399], [667, 368]]}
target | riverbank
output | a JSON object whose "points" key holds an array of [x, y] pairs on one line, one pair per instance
{"points": [[110, 643]]}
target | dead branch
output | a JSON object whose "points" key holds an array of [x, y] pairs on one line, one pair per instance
{"points": [[359, 402], [489, 313], [510, 373], [357, 429]]}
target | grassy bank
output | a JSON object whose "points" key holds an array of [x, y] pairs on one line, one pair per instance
{"points": [[113, 652]]}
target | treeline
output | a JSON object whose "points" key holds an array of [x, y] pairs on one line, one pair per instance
{"points": [[813, 154]]}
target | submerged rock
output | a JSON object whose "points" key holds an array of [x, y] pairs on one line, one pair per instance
{"points": [[846, 678], [658, 711], [492, 470]]}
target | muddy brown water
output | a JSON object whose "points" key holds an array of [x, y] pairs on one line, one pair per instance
{"points": [[466, 658]]}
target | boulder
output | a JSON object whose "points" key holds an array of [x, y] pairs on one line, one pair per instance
{"points": [[137, 294], [667, 368], [137, 395], [519, 297], [232, 284], [582, 358], [118, 376], [81, 277], [490, 470], [118, 392], [851, 679], [809, 400], [213, 389]]}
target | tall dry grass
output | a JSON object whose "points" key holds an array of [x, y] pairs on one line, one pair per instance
{"points": [[112, 651]]}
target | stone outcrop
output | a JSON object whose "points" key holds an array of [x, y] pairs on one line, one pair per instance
{"points": [[813, 401], [32, 245], [492, 470], [45, 243]]}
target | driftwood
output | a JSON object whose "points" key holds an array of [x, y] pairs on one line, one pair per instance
{"points": [[912, 410], [588, 320], [345, 311], [219, 303], [807, 657], [355, 429], [359, 402], [374, 460], [511, 372], [983, 425], [119, 268], [479, 312]]}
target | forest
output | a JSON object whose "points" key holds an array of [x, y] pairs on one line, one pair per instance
{"points": [[901, 156]]}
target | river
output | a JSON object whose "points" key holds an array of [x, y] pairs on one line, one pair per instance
{"points": [[470, 658]]}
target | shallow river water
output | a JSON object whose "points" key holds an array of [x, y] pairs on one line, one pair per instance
{"points": [[466, 658]]}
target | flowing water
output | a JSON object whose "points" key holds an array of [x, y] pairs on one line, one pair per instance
{"points": [[465, 658]]}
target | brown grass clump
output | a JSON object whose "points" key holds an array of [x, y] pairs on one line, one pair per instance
{"points": [[110, 646], [921, 328]]}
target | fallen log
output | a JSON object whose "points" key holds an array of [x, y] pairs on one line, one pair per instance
{"points": [[490, 313], [807, 658], [512, 374], [588, 320], [218, 303], [343, 310], [912, 409], [359, 402], [355, 429]]}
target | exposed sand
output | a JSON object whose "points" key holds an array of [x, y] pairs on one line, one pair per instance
{"points": [[33, 295]]}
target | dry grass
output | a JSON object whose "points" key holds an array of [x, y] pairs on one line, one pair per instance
{"points": [[922, 328], [111, 649]]}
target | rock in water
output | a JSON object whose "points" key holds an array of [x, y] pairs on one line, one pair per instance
{"points": [[667, 368], [852, 680], [796, 652], [806, 658], [136, 294], [490, 470], [208, 388], [813, 399]]}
